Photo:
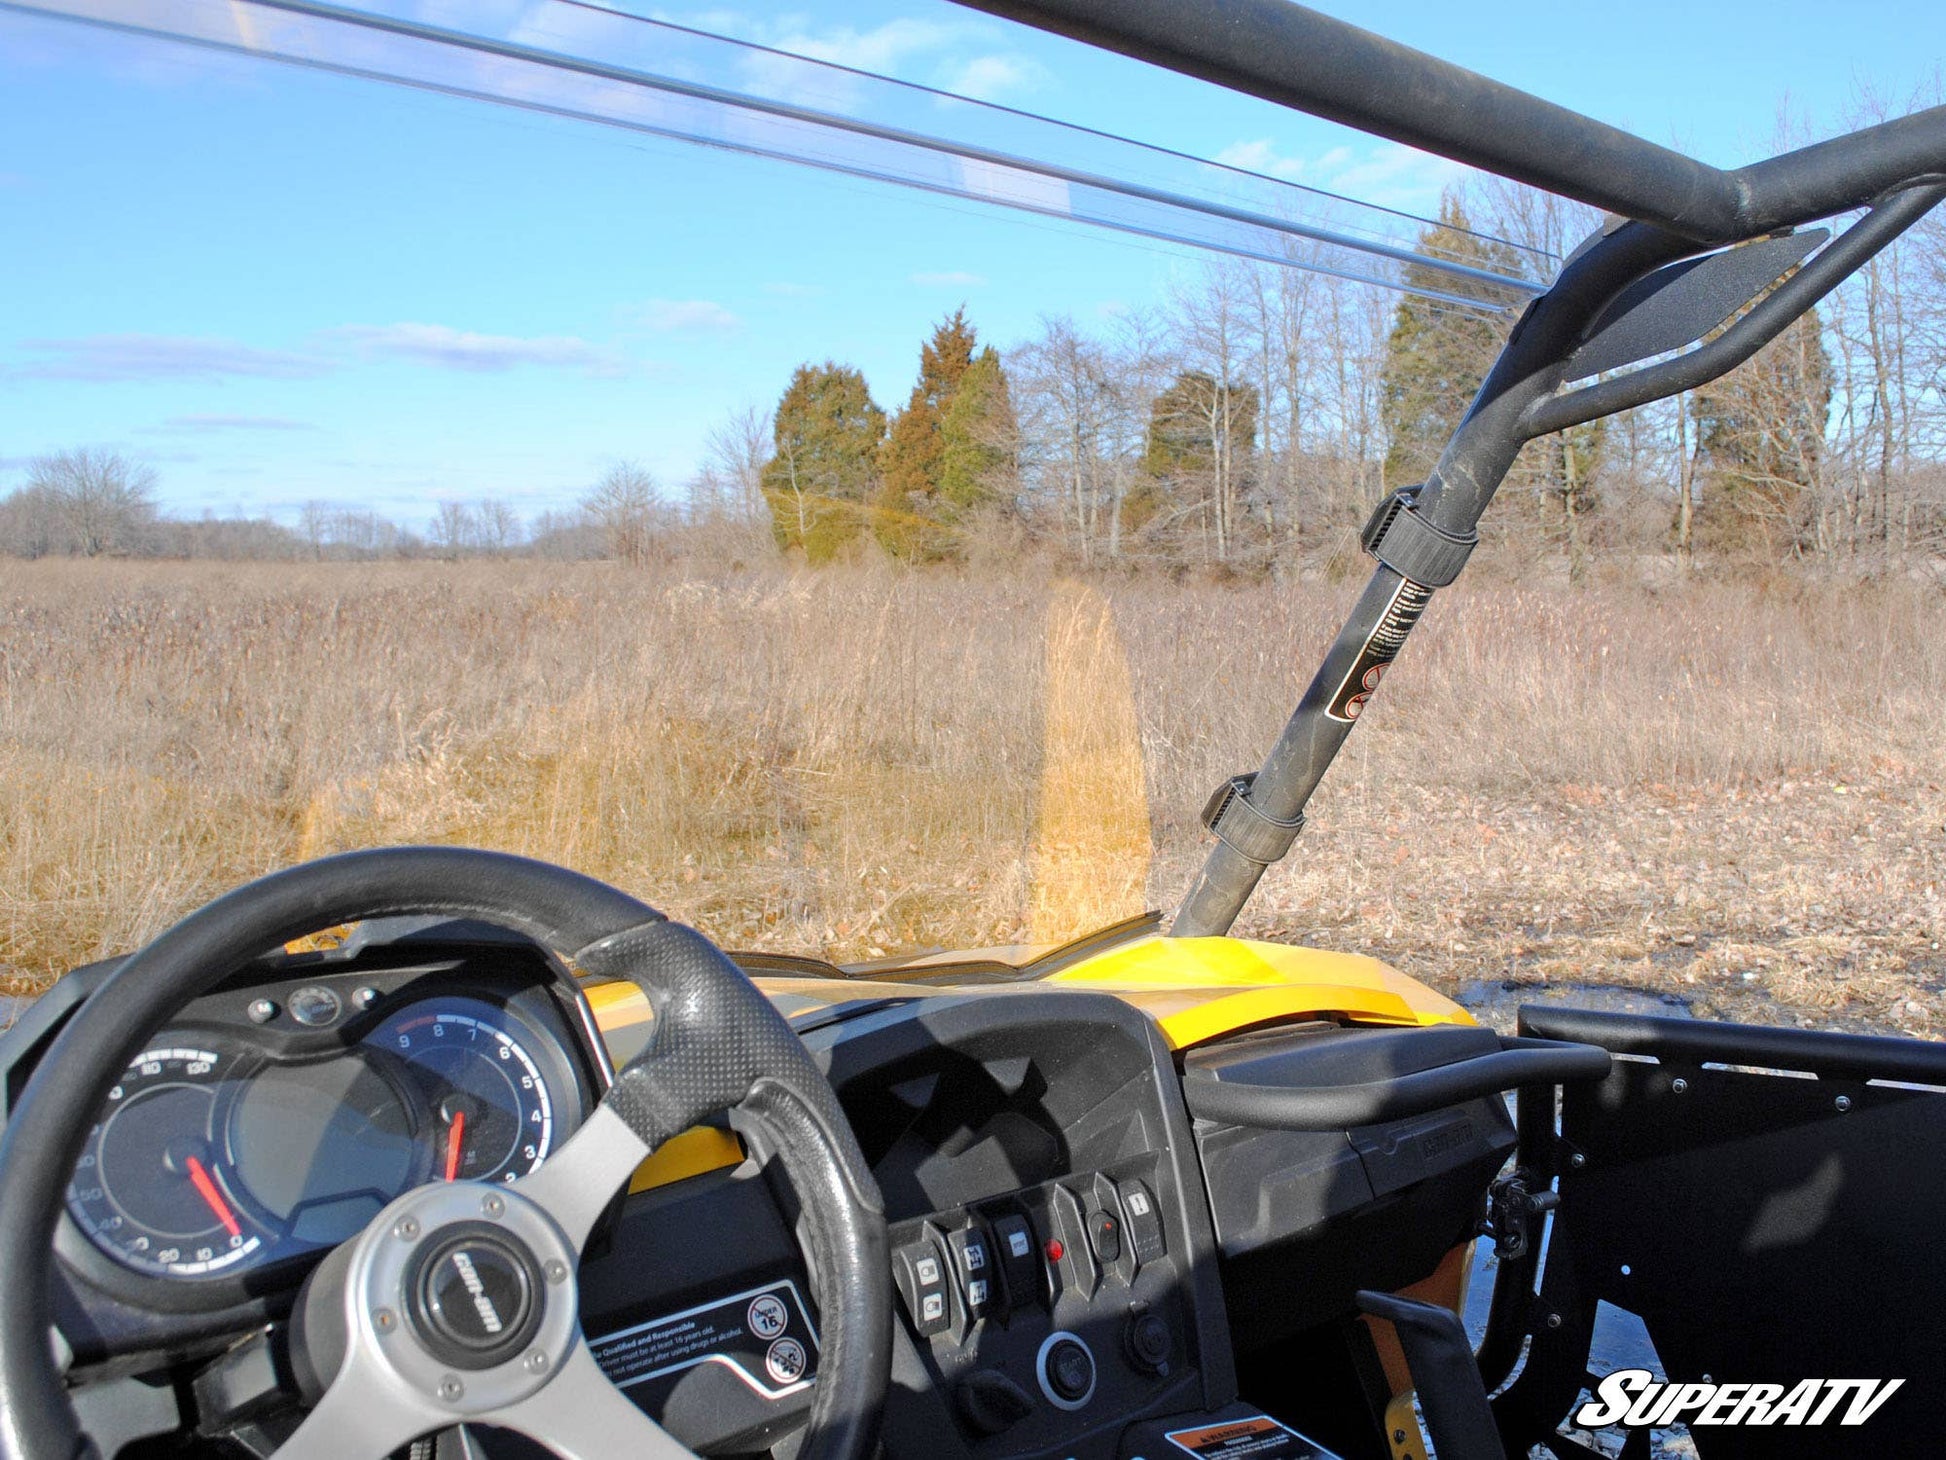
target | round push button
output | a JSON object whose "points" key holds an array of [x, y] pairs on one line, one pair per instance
{"points": [[1067, 1371]]}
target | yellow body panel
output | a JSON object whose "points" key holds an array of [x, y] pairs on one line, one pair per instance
{"points": [[1199, 989], [704, 1148], [1195, 989]]}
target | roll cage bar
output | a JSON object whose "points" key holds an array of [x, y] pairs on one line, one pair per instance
{"points": [[1634, 290]]}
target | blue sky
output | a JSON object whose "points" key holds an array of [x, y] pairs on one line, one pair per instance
{"points": [[277, 285]]}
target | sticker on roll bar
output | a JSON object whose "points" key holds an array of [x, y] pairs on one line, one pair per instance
{"points": [[1382, 646]]}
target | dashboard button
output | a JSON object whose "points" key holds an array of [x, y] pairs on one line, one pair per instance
{"points": [[315, 1006], [1020, 1242], [1020, 1259], [1070, 1370], [1144, 1222], [921, 1272], [1067, 1371], [973, 1265], [1106, 1235]]}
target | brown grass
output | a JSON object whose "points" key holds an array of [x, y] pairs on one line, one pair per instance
{"points": [[1728, 791]]}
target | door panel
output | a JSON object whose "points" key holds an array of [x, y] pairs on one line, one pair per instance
{"points": [[1769, 1223]]}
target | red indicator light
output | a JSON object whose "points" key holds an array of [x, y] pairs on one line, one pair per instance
{"points": [[1055, 1251]]}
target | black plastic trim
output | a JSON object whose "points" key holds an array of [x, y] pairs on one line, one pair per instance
{"points": [[1335, 1107], [1699, 1041], [1444, 1375]]}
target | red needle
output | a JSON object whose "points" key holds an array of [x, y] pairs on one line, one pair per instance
{"points": [[206, 1189], [455, 1133]]}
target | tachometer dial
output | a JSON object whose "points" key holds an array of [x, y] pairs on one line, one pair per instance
{"points": [[153, 1188], [492, 1109]]}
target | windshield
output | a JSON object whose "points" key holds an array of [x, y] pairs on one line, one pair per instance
{"points": [[858, 478]]}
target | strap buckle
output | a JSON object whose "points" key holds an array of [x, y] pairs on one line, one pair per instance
{"points": [[1247, 829], [1411, 546]]}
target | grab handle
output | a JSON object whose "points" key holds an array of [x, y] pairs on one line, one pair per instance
{"points": [[1517, 1062]]}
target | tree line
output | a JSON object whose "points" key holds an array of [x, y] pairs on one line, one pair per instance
{"points": [[1247, 424], [1255, 419]]}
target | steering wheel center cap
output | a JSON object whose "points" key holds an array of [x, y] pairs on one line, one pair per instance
{"points": [[474, 1295]]}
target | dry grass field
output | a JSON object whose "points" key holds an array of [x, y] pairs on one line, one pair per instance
{"points": [[1733, 793]]}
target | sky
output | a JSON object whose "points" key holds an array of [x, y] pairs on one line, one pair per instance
{"points": [[276, 285]]}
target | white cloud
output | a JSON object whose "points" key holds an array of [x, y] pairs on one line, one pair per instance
{"points": [[881, 49], [106, 359], [692, 315], [944, 54], [951, 279], [1261, 156], [452, 349], [1383, 174], [989, 78]]}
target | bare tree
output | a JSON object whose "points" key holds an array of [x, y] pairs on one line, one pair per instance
{"points": [[104, 501], [454, 532], [1213, 329], [30, 524], [314, 526], [729, 484], [1082, 406], [622, 506], [496, 526]]}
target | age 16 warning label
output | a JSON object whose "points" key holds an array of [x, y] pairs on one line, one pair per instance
{"points": [[1258, 1437], [764, 1336]]}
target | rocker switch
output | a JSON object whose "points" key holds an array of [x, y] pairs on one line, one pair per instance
{"points": [[973, 1258], [1105, 1233], [1020, 1260], [922, 1277], [1144, 1222]]}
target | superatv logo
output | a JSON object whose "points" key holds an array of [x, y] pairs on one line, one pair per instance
{"points": [[1635, 1397]]}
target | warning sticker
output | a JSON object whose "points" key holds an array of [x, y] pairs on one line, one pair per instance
{"points": [[1409, 600], [763, 1336], [1259, 1437]]}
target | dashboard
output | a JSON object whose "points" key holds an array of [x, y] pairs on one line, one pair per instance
{"points": [[1054, 1280], [1054, 1259], [1074, 1258]]}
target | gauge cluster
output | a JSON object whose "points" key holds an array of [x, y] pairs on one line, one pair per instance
{"points": [[272, 1121]]}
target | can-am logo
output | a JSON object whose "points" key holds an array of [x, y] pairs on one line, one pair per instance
{"points": [[1636, 1397]]}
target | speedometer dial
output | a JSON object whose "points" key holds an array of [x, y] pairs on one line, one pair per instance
{"points": [[491, 1105], [153, 1187]]}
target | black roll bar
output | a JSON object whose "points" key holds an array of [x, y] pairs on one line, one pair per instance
{"points": [[1299, 58], [1840, 259]]}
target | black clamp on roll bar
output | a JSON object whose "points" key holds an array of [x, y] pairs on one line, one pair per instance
{"points": [[1515, 1063], [1248, 829], [1411, 546]]}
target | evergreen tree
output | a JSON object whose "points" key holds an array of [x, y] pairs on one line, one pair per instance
{"points": [[824, 469], [1438, 354], [946, 447], [978, 437]]}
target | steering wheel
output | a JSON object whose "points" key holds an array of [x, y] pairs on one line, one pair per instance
{"points": [[504, 1346]]}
